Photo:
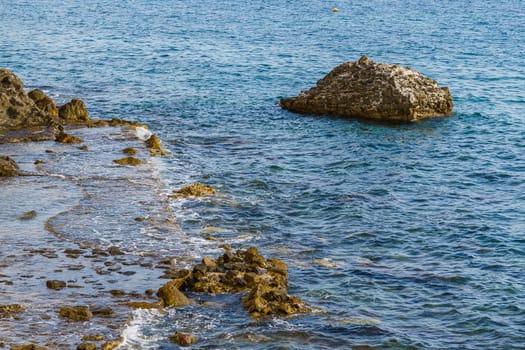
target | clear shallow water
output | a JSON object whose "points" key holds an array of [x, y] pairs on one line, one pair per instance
{"points": [[404, 236]]}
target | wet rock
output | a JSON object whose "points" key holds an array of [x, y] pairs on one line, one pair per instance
{"points": [[87, 346], [43, 102], [55, 284], [171, 296], [83, 148], [117, 292], [10, 309], [144, 305], [367, 89], [73, 112], [93, 337], [128, 161], [102, 311], [75, 313], [19, 112], [155, 146], [111, 344], [28, 215], [114, 250], [27, 347], [63, 137], [195, 190], [240, 271], [183, 339], [8, 166], [129, 151]]}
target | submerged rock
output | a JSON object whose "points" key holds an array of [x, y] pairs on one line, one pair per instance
{"points": [[10, 309], [195, 190], [8, 167], [372, 90], [183, 339]]}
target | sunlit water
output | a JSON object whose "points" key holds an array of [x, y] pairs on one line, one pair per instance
{"points": [[404, 237]]}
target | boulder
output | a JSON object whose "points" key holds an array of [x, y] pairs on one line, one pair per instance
{"points": [[74, 112], [75, 313], [195, 190], [43, 102], [8, 167], [380, 91], [171, 296]]}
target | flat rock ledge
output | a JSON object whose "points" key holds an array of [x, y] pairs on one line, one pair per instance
{"points": [[380, 91]]}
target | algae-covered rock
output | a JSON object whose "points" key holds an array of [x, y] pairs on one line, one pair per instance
{"points": [[128, 161], [87, 346], [129, 151], [155, 146], [111, 344], [8, 166], [63, 137], [43, 102], [10, 309], [171, 296], [372, 90], [55, 284], [27, 347], [195, 190], [75, 313], [73, 112], [28, 215], [143, 305]]}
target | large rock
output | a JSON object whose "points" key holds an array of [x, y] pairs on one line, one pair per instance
{"points": [[74, 112], [18, 111], [8, 167], [373, 90]]}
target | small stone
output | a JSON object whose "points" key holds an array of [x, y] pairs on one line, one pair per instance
{"points": [[195, 190], [128, 161], [28, 215], [139, 219], [102, 311], [111, 344], [93, 337], [8, 166], [63, 137], [129, 151], [75, 313], [114, 250], [183, 339], [83, 148], [209, 262], [55, 284], [87, 346]]}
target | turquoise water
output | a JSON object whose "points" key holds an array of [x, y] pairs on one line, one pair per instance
{"points": [[405, 237]]}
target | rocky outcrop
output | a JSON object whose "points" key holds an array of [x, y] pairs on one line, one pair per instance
{"points": [[265, 280], [372, 90], [194, 190], [8, 167], [43, 102]]}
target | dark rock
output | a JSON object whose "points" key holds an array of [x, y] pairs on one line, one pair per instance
{"points": [[102, 311], [8, 166], [87, 346], [43, 102], [73, 112], [128, 161], [367, 89], [75, 313], [56, 285], [114, 250], [183, 339]]}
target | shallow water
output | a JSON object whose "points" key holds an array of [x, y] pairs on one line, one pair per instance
{"points": [[404, 237]]}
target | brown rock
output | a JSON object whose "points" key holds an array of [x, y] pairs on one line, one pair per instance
{"points": [[171, 296], [93, 337], [27, 347], [183, 339], [114, 250], [155, 146], [8, 166], [195, 190], [63, 137], [377, 91], [128, 161], [10, 309], [75, 313], [73, 112], [129, 151], [43, 102], [111, 344], [87, 346], [56, 285], [143, 305]]}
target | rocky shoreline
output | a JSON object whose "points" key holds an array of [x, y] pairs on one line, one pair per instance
{"points": [[76, 291]]}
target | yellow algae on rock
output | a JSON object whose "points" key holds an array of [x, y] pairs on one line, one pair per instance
{"points": [[195, 190]]}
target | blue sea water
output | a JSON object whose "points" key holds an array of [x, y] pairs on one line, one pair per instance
{"points": [[404, 237]]}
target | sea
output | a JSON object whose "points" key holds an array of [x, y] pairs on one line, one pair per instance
{"points": [[407, 236]]}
